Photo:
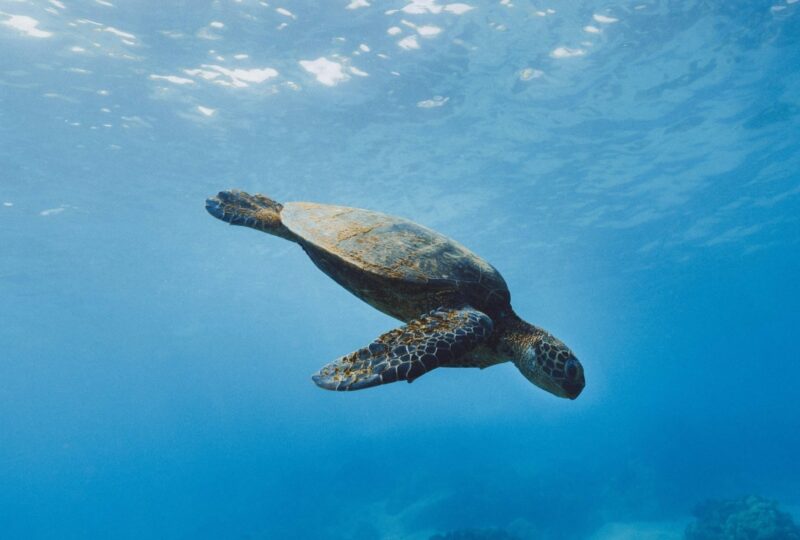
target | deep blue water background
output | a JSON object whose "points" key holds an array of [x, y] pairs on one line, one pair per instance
{"points": [[636, 183]]}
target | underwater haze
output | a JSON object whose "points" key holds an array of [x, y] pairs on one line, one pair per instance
{"points": [[631, 167]]}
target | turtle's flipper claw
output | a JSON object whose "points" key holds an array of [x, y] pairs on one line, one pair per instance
{"points": [[216, 208]]}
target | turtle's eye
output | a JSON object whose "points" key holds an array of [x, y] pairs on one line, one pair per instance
{"points": [[573, 383], [571, 367]]}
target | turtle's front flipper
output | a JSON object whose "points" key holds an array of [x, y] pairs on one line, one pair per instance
{"points": [[436, 339], [255, 211]]}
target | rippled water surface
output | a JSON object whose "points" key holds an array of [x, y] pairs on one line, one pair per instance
{"points": [[630, 167]]}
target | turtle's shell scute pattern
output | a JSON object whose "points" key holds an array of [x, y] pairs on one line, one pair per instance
{"points": [[362, 249]]}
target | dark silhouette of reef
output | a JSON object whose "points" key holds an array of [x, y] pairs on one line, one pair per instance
{"points": [[475, 534], [748, 518]]}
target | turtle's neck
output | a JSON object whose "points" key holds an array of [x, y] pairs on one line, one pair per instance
{"points": [[514, 336]]}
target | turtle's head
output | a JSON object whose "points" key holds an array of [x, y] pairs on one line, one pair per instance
{"points": [[548, 363]]}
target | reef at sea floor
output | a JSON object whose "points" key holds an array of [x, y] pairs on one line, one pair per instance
{"points": [[747, 518], [475, 534]]}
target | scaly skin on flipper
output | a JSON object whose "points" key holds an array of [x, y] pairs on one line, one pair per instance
{"points": [[254, 211], [437, 339]]}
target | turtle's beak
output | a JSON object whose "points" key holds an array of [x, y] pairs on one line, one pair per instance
{"points": [[573, 389]]}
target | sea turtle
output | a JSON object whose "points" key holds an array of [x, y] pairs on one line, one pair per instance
{"points": [[455, 306]]}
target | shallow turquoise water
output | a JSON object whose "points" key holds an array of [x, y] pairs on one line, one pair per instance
{"points": [[630, 168]]}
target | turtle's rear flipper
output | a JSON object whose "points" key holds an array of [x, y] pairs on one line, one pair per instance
{"points": [[255, 211], [436, 339]]}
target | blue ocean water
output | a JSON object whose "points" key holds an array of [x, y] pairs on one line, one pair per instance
{"points": [[630, 167]]}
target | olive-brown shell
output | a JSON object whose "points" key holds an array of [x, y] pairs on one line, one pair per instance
{"points": [[394, 248]]}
